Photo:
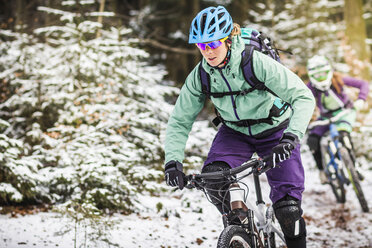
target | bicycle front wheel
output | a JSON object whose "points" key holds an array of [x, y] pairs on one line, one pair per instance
{"points": [[234, 237], [338, 188], [334, 180], [354, 178]]}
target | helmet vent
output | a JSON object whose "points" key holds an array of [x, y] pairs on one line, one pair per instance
{"points": [[211, 24], [222, 24], [202, 23]]}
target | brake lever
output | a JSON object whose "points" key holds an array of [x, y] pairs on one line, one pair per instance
{"points": [[260, 168], [190, 182], [263, 165]]}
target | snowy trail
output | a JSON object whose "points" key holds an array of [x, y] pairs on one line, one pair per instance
{"points": [[188, 220], [331, 224]]}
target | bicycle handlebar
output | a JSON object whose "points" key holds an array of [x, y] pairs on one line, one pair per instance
{"points": [[258, 165], [333, 119]]}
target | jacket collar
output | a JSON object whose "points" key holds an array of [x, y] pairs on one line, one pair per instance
{"points": [[237, 47]]}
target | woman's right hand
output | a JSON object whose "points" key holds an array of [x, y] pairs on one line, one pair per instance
{"points": [[174, 175]]}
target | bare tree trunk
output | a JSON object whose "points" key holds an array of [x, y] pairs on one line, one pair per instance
{"points": [[19, 15], [100, 18], [356, 38], [239, 10], [195, 9]]}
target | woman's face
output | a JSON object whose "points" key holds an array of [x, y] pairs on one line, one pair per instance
{"points": [[214, 56]]}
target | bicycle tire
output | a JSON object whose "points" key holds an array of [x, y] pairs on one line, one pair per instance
{"points": [[338, 189], [234, 236], [354, 178], [334, 180]]}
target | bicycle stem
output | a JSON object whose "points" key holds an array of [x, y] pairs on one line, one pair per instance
{"points": [[258, 189]]}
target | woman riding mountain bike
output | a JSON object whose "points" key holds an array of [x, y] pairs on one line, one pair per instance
{"points": [[247, 124], [327, 86]]}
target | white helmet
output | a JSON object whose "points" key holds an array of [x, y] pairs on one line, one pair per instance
{"points": [[320, 72]]}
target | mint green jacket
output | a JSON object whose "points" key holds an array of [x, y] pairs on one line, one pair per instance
{"points": [[255, 105]]}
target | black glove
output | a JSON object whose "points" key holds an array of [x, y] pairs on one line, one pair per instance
{"points": [[173, 174], [283, 150]]}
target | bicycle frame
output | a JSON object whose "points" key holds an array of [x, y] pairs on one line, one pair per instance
{"points": [[261, 214], [332, 161], [340, 167], [333, 144]]}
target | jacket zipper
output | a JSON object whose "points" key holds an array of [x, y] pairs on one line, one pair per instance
{"points": [[232, 97]]}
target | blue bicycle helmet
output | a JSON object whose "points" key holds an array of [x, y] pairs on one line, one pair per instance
{"points": [[210, 24]]}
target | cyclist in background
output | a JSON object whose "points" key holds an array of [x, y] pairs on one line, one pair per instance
{"points": [[218, 40], [327, 86]]}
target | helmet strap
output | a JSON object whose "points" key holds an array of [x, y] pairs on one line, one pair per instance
{"points": [[225, 60], [229, 41]]}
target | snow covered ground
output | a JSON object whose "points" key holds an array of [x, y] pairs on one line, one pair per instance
{"points": [[187, 219]]}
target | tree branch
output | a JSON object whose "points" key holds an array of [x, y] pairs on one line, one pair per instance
{"points": [[157, 44]]}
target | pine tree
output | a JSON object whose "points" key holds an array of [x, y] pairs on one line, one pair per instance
{"points": [[87, 117], [303, 27]]}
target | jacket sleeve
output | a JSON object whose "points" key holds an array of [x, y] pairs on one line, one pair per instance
{"points": [[188, 105], [360, 84], [289, 87]]}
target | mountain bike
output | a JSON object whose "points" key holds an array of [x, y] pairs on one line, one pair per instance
{"points": [[339, 161], [245, 224]]}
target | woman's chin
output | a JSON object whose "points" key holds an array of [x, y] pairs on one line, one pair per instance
{"points": [[213, 63]]}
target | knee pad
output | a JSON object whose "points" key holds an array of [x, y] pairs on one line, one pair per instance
{"points": [[213, 167], [288, 212], [216, 166], [217, 189], [313, 141]]}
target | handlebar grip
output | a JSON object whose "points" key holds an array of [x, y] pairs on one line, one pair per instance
{"points": [[268, 162], [267, 158]]}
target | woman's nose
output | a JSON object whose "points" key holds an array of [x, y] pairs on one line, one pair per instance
{"points": [[208, 49]]}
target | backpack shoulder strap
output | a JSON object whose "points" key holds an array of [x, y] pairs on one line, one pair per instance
{"points": [[249, 76], [205, 81], [206, 86], [247, 68]]}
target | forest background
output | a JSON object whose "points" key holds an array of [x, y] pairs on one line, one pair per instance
{"points": [[86, 89]]}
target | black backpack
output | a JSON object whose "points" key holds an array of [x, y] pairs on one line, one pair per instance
{"points": [[254, 40]]}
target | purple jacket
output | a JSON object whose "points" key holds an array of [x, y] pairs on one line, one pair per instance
{"points": [[349, 81]]}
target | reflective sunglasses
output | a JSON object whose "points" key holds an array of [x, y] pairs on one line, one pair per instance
{"points": [[321, 76], [211, 45]]}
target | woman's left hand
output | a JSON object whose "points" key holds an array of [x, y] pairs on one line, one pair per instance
{"points": [[283, 150], [359, 104]]}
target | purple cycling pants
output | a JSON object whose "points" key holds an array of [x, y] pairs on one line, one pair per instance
{"points": [[234, 148]]}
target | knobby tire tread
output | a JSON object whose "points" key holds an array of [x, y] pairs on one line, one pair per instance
{"points": [[229, 232], [354, 178]]}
